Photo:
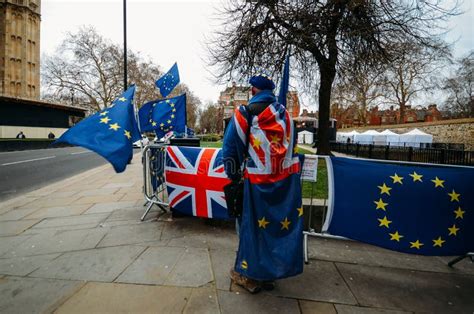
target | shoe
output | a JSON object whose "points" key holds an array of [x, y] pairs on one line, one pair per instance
{"points": [[248, 284], [268, 285]]}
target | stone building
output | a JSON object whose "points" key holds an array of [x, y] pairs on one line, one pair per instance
{"points": [[20, 48]]}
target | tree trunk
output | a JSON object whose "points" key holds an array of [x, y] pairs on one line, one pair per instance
{"points": [[327, 74], [401, 118]]}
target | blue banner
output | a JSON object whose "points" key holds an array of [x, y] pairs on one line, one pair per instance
{"points": [[411, 208]]}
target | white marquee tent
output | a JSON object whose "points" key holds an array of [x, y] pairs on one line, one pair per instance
{"points": [[343, 136], [415, 138], [391, 138], [305, 137], [368, 137]]}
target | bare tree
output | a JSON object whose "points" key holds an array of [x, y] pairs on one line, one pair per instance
{"points": [[413, 72], [89, 69], [210, 119], [323, 37], [460, 88]]}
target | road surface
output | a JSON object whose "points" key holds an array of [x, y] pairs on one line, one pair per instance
{"points": [[24, 171]]}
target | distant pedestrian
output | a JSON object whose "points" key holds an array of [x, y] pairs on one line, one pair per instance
{"points": [[20, 135], [51, 135]]}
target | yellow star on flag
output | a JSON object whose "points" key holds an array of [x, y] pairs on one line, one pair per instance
{"points": [[395, 236], [397, 179], [459, 213], [454, 196], [416, 176], [167, 101], [275, 139], [384, 222], [153, 123], [122, 99], [171, 126], [262, 223], [438, 242], [169, 121], [114, 127], [127, 134], [174, 109], [384, 189], [417, 244], [285, 224], [172, 116], [256, 142], [105, 120], [453, 230], [438, 182], [244, 265], [162, 124], [380, 204], [300, 211], [103, 113], [171, 105]]}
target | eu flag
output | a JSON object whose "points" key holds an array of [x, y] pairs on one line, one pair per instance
{"points": [[285, 82], [411, 208], [168, 82], [164, 115], [110, 132]]}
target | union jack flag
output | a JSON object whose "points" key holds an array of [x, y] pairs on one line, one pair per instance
{"points": [[195, 181]]}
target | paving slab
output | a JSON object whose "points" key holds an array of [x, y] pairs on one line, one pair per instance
{"points": [[202, 300], [94, 199], [119, 185], [59, 211], [312, 307], [350, 309], [101, 191], [132, 214], [107, 207], [15, 227], [320, 281], [71, 221], [193, 269], [236, 302], [59, 241], [143, 233], [97, 297], [9, 243], [33, 295], [222, 262], [95, 265], [410, 290], [132, 197], [53, 202], [17, 214], [153, 266], [22, 266]]}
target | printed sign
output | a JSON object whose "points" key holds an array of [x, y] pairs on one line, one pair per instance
{"points": [[310, 168]]}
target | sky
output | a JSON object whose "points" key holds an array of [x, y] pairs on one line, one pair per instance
{"points": [[175, 31]]}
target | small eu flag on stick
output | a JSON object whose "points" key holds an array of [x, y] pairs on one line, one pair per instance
{"points": [[110, 132], [168, 82]]}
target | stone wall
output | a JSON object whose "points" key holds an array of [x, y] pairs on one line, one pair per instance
{"points": [[445, 131]]}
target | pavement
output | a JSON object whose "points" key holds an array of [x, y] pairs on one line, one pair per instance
{"points": [[78, 246]]}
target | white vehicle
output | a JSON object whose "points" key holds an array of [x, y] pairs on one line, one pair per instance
{"points": [[144, 141]]}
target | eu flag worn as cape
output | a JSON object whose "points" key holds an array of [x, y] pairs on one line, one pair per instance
{"points": [[110, 132], [411, 208], [164, 115], [271, 238], [168, 82]]}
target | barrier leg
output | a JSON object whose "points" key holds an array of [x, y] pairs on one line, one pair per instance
{"points": [[460, 258], [305, 247], [150, 205]]}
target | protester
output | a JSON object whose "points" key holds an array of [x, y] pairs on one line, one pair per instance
{"points": [[270, 228], [51, 135], [20, 135]]}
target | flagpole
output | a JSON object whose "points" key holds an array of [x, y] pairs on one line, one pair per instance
{"points": [[124, 45]]}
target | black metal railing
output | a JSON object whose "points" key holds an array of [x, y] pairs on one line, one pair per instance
{"points": [[427, 155]]}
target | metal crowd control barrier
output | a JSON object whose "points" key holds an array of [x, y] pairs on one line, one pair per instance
{"points": [[154, 184]]}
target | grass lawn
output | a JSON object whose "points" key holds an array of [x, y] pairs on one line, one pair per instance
{"points": [[320, 189]]}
